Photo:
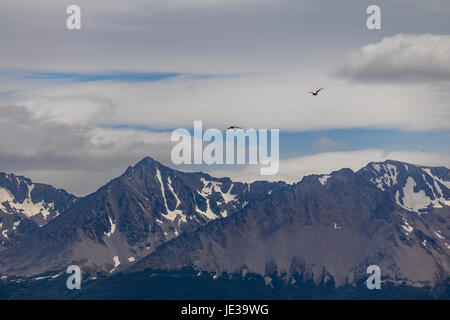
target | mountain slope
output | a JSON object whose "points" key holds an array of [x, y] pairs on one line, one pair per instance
{"points": [[25, 206], [329, 226], [415, 188], [129, 217]]}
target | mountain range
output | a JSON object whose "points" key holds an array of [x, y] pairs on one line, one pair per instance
{"points": [[129, 218], [391, 214], [25, 206]]}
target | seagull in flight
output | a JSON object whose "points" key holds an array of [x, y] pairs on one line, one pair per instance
{"points": [[316, 93], [233, 128]]}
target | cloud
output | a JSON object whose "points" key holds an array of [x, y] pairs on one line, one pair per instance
{"points": [[324, 143], [402, 58], [294, 169], [204, 36], [81, 157], [74, 156], [66, 132], [254, 101], [159, 35]]}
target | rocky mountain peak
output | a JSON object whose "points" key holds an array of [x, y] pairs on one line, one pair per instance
{"points": [[130, 216], [415, 188], [25, 206]]}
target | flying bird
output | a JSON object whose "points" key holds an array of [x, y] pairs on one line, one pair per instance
{"points": [[233, 128], [316, 93]]}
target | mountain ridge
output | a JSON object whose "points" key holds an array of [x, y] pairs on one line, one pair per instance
{"points": [[26, 206], [129, 216], [328, 225], [395, 236]]}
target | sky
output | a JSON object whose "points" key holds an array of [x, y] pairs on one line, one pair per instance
{"points": [[80, 106]]}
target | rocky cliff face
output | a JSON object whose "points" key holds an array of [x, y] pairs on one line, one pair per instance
{"points": [[391, 214], [414, 188], [130, 217], [26, 206]]}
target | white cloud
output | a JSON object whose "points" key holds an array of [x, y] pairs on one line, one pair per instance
{"points": [[278, 101], [324, 143], [58, 138], [77, 157], [403, 57], [81, 157], [294, 169]]}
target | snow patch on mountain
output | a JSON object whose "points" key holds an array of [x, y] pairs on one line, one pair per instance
{"points": [[27, 207], [406, 226], [445, 183], [15, 225], [210, 187], [228, 197], [112, 228], [418, 201], [415, 188], [170, 214], [116, 263], [208, 212], [323, 179], [389, 177], [414, 201], [174, 193], [336, 227], [439, 235]]}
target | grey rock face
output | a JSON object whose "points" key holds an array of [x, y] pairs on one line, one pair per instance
{"points": [[130, 217], [415, 188], [25, 206], [330, 225], [391, 214]]}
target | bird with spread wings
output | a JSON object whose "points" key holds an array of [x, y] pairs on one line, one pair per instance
{"points": [[233, 128], [316, 93]]}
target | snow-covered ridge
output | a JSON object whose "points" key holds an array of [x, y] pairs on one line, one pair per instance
{"points": [[415, 188], [25, 205], [208, 188], [445, 183], [323, 179], [387, 175], [170, 214], [112, 228], [116, 263], [9, 204]]}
